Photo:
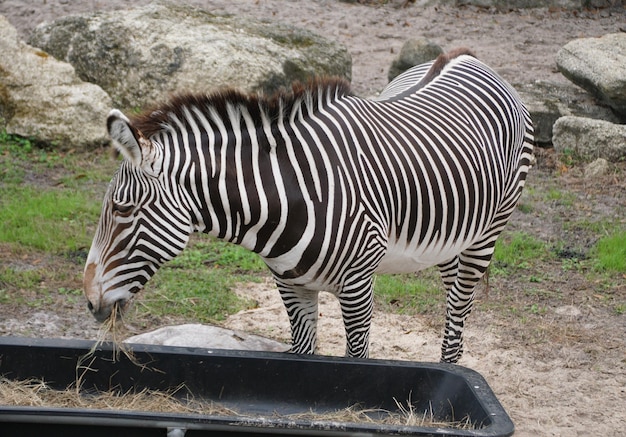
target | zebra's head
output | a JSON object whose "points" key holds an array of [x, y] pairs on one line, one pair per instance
{"points": [[141, 225]]}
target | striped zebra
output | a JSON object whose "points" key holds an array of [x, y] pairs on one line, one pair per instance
{"points": [[328, 188]]}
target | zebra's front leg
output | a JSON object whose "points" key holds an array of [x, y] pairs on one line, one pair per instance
{"points": [[356, 300], [301, 305], [468, 267]]}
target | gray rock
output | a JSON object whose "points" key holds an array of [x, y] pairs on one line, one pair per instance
{"points": [[590, 139], [547, 102], [43, 98], [599, 66], [568, 310], [140, 56], [413, 52], [206, 336], [596, 168]]}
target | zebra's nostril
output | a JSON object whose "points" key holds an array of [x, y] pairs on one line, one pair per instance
{"points": [[90, 306]]}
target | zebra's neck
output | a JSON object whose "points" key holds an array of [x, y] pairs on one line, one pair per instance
{"points": [[237, 163]]}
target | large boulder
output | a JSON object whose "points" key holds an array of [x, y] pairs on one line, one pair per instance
{"points": [[590, 139], [43, 98], [549, 101], [140, 56], [599, 66]]}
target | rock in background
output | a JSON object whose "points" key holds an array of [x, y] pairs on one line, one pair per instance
{"points": [[44, 99], [413, 52], [547, 102], [599, 66], [596, 168], [140, 56], [590, 139]]}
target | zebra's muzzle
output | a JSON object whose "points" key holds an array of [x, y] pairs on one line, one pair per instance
{"points": [[99, 306], [93, 294], [100, 315], [103, 313]]}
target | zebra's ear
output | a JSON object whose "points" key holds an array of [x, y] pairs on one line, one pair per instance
{"points": [[125, 136]]}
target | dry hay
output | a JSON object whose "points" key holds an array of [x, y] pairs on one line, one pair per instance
{"points": [[36, 393], [404, 416], [114, 330]]}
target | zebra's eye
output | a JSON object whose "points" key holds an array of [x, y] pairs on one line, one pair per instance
{"points": [[123, 210]]}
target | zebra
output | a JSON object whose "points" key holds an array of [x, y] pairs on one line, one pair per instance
{"points": [[326, 187]]}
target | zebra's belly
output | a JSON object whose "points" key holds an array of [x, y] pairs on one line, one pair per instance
{"points": [[402, 259]]}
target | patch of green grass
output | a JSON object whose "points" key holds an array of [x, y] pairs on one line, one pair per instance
{"points": [[211, 251], [203, 295], [49, 220], [71, 295], [525, 208], [610, 253], [548, 192], [5, 297], [410, 294], [570, 157], [23, 286], [197, 284], [540, 294], [517, 251], [597, 227], [12, 150], [37, 208], [536, 309], [13, 277], [14, 144], [560, 197], [572, 265]]}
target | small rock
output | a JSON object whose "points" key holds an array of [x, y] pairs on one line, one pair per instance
{"points": [[599, 167], [568, 310]]}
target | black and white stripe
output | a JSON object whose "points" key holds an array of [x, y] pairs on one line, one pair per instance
{"points": [[327, 187]]}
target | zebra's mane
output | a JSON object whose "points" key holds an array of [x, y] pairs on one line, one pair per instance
{"points": [[439, 64], [280, 104]]}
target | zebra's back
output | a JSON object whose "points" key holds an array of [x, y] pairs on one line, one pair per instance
{"points": [[437, 162]]}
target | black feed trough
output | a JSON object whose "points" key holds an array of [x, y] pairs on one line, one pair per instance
{"points": [[270, 392]]}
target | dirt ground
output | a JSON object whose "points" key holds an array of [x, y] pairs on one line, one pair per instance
{"points": [[553, 349]]}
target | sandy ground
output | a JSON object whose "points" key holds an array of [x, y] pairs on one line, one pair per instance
{"points": [[563, 392], [568, 389]]}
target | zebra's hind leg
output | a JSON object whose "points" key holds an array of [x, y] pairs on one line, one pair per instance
{"points": [[301, 305], [460, 276]]}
